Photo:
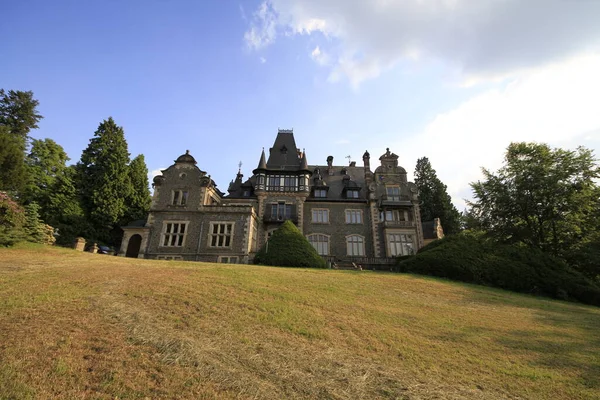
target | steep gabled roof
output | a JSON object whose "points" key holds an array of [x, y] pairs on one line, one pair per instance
{"points": [[284, 153]]}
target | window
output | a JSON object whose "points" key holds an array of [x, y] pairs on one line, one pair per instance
{"points": [[393, 215], [320, 243], [228, 260], [320, 216], [282, 183], [320, 193], [179, 197], [352, 194], [400, 244], [281, 211], [393, 193], [354, 217], [355, 245], [169, 258], [221, 234], [174, 233]]}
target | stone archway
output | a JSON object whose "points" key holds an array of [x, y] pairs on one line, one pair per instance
{"points": [[133, 246]]}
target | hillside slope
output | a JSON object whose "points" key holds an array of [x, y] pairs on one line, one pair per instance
{"points": [[76, 325]]}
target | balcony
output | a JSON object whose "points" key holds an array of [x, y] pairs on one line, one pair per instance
{"points": [[398, 224], [394, 201], [280, 218]]}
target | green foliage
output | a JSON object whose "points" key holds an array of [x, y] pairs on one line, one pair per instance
{"points": [[474, 259], [36, 230], [12, 220], [139, 201], [18, 112], [434, 198], [104, 179], [287, 247], [12, 167], [542, 197]]}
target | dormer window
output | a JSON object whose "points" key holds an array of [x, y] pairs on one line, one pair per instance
{"points": [[320, 193], [284, 150], [352, 194], [393, 193]]}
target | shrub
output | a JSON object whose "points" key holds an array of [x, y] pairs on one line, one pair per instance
{"points": [[12, 220], [287, 247], [473, 259]]}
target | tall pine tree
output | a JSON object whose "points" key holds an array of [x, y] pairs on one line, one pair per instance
{"points": [[18, 116], [139, 200], [103, 176], [435, 200]]}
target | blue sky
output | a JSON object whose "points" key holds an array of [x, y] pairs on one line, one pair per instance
{"points": [[452, 80]]}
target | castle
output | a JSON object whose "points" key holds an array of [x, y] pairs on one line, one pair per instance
{"points": [[348, 213]]}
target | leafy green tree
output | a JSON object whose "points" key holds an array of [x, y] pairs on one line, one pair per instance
{"points": [[545, 198], [434, 198], [45, 162], [12, 166], [36, 230], [139, 200], [103, 174], [287, 247]]}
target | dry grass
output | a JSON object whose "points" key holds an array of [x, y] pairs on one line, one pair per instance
{"points": [[76, 325]]}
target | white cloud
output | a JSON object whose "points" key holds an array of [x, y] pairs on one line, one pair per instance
{"points": [[319, 56], [556, 105], [263, 60], [483, 38], [262, 30]]}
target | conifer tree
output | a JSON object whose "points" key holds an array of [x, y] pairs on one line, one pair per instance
{"points": [[434, 198], [138, 203], [103, 176]]}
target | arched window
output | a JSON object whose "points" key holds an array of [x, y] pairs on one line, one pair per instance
{"points": [[355, 245], [320, 242]]}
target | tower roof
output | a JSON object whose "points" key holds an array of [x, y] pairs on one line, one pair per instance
{"points": [[284, 153]]}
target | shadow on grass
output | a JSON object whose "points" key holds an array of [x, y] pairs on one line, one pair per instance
{"points": [[566, 336]]}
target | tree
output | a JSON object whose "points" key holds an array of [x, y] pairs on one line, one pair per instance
{"points": [[12, 166], [542, 197], [45, 162], [434, 198], [18, 116], [103, 174], [287, 247], [139, 200], [18, 112], [12, 219]]}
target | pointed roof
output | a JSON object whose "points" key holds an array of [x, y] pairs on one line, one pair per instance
{"points": [[262, 164], [303, 162], [284, 153]]}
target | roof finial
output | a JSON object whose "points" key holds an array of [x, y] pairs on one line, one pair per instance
{"points": [[187, 152], [239, 167]]}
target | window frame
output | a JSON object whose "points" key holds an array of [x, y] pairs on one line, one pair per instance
{"points": [[395, 195], [217, 235], [403, 246], [324, 212], [171, 236], [179, 197], [318, 244], [356, 212], [358, 245]]}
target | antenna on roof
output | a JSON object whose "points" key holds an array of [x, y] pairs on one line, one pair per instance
{"points": [[349, 158]]}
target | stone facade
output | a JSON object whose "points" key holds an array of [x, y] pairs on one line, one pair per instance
{"points": [[349, 213]]}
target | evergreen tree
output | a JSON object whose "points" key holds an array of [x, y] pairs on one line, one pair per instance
{"points": [[18, 116], [103, 174], [138, 203], [434, 198], [287, 247], [34, 227]]}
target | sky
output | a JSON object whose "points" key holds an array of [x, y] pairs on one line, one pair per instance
{"points": [[453, 80]]}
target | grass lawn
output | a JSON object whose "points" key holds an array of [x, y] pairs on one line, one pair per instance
{"points": [[78, 325]]}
